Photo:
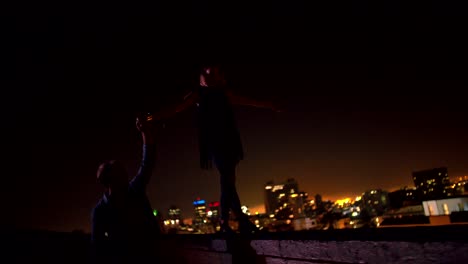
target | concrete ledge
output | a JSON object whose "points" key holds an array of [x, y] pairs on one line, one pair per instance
{"points": [[438, 244]]}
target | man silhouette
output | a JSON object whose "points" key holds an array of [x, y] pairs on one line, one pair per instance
{"points": [[123, 225]]}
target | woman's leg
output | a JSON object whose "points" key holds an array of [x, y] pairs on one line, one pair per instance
{"points": [[229, 197]]}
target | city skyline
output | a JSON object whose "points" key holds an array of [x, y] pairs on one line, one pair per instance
{"points": [[260, 208]]}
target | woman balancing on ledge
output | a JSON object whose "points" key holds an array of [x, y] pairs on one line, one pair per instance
{"points": [[219, 139]]}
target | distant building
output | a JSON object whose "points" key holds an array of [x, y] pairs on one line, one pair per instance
{"points": [[200, 212], [403, 197], [460, 187], [213, 210], [313, 207], [174, 213], [375, 202], [318, 199], [300, 202], [277, 196], [445, 206], [432, 184]]}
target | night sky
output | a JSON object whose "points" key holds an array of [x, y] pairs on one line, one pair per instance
{"points": [[365, 104]]}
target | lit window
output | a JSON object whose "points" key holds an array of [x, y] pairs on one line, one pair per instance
{"points": [[277, 187], [446, 209]]}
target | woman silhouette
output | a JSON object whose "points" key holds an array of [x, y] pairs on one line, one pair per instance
{"points": [[219, 139]]}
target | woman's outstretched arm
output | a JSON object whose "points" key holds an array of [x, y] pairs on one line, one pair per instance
{"points": [[240, 100], [189, 100]]}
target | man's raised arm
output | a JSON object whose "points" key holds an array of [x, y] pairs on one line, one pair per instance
{"points": [[145, 171]]}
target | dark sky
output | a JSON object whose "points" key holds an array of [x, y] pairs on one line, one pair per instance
{"points": [[365, 103]]}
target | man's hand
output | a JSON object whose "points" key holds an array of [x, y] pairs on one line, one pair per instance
{"points": [[143, 122]]}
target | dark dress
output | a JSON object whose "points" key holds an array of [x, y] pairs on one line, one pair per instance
{"points": [[219, 138]]}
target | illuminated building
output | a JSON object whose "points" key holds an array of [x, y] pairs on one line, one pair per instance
{"points": [[445, 206], [432, 184], [200, 212], [174, 213], [403, 197], [213, 210], [460, 187], [213, 216], [283, 199], [375, 202], [245, 209], [300, 203], [270, 197]]}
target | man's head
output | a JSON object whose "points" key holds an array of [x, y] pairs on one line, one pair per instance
{"points": [[113, 176], [212, 75]]}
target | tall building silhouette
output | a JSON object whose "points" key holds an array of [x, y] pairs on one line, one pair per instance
{"points": [[278, 196], [403, 197], [432, 184]]}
